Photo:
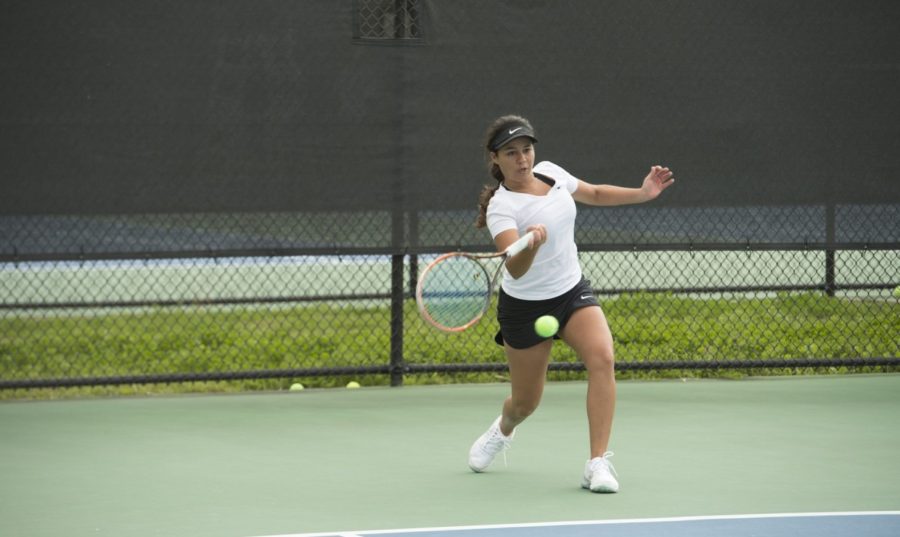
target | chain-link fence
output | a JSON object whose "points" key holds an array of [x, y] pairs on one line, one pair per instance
{"points": [[380, 20], [169, 298]]}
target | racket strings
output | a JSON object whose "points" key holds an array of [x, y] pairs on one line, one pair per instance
{"points": [[455, 292]]}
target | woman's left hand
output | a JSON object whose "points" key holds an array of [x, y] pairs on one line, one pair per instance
{"points": [[659, 179]]}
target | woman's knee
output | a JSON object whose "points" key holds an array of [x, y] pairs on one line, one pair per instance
{"points": [[600, 359], [522, 408]]}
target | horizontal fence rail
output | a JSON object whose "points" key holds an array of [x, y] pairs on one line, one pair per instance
{"points": [[14, 257], [412, 369]]}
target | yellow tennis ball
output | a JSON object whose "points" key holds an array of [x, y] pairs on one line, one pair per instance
{"points": [[897, 292], [296, 387], [546, 326], [352, 384]]}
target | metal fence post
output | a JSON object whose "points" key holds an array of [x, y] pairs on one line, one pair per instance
{"points": [[829, 250], [397, 299], [413, 258]]}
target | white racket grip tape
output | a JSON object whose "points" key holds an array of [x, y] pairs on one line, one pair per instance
{"points": [[520, 244]]}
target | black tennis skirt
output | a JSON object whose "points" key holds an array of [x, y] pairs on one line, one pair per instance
{"points": [[517, 316]]}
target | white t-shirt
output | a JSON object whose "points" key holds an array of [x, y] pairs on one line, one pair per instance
{"points": [[555, 269]]}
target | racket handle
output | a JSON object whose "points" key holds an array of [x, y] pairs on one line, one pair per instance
{"points": [[519, 245]]}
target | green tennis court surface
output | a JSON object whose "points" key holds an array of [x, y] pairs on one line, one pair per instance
{"points": [[361, 462]]}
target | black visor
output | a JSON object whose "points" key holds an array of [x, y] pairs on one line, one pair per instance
{"points": [[510, 132]]}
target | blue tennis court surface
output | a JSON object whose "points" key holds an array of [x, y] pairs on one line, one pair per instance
{"points": [[857, 524]]}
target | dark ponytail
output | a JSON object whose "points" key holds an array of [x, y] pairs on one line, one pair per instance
{"points": [[483, 200]]}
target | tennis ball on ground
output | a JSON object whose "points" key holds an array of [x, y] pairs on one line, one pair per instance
{"points": [[296, 387], [546, 326], [352, 384], [897, 292]]}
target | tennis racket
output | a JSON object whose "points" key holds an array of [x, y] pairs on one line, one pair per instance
{"points": [[455, 289]]}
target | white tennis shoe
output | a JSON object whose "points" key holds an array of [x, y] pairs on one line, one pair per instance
{"points": [[599, 475], [488, 445]]}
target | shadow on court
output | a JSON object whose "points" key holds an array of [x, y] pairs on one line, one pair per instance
{"points": [[392, 458]]}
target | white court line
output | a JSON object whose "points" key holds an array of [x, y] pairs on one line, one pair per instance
{"points": [[365, 533]]}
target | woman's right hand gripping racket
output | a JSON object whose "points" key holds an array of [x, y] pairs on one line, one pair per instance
{"points": [[455, 289]]}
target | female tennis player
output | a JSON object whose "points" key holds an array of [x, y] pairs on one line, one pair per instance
{"points": [[546, 279]]}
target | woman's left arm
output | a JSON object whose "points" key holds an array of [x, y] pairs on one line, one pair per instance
{"points": [[659, 179]]}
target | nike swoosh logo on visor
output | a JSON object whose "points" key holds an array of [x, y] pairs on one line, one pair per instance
{"points": [[513, 131]]}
